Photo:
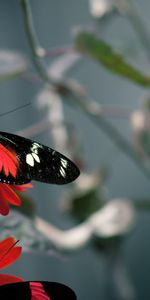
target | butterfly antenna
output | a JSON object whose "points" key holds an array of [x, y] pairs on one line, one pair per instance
{"points": [[15, 109]]}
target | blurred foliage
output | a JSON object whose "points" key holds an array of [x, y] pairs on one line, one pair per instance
{"points": [[102, 221], [84, 204], [106, 245], [87, 197], [87, 43], [24, 229], [27, 206]]}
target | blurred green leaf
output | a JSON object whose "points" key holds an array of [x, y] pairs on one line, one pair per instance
{"points": [[84, 204], [12, 64], [88, 195], [87, 43], [105, 245]]}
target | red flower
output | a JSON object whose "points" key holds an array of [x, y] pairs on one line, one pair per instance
{"points": [[9, 165], [8, 161], [9, 253], [8, 195]]}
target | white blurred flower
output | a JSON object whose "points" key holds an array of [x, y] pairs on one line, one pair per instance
{"points": [[140, 120], [115, 218], [88, 181], [63, 64], [12, 63], [98, 8]]}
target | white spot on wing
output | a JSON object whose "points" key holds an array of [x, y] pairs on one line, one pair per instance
{"points": [[30, 157], [64, 163], [35, 151], [36, 145], [36, 157], [30, 160], [62, 172]]}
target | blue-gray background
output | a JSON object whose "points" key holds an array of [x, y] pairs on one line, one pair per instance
{"points": [[86, 272]]}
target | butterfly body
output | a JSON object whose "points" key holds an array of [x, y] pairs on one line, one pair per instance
{"points": [[33, 161]]}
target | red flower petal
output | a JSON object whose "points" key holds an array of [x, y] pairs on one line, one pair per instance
{"points": [[8, 161], [1, 165], [4, 208], [7, 243], [23, 187], [9, 252], [4, 279], [10, 257], [8, 194]]}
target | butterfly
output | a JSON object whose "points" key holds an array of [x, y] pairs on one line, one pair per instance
{"points": [[23, 160], [36, 290]]}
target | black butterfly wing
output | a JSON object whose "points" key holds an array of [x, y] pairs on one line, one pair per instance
{"points": [[38, 162], [53, 167], [26, 290]]}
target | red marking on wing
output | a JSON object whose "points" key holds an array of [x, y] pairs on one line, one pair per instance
{"points": [[8, 161], [37, 291]]}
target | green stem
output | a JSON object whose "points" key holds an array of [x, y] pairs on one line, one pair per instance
{"points": [[33, 41]]}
